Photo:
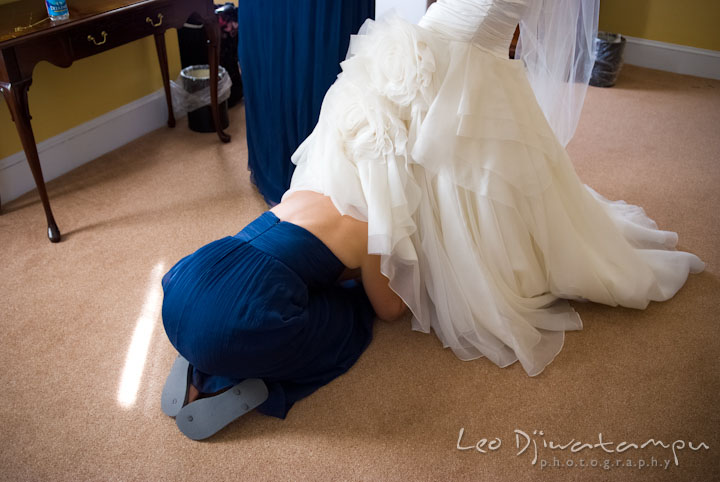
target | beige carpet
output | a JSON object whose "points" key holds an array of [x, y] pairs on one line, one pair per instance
{"points": [[73, 408]]}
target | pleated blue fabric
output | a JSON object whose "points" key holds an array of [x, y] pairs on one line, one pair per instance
{"points": [[289, 53], [266, 303]]}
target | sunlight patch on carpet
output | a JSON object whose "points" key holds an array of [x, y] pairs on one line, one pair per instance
{"points": [[140, 343]]}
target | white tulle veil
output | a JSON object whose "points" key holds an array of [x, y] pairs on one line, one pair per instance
{"points": [[557, 45]]}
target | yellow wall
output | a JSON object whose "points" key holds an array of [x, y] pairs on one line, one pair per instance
{"points": [[61, 99], [695, 23]]}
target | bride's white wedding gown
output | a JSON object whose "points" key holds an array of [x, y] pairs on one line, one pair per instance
{"points": [[435, 138]]}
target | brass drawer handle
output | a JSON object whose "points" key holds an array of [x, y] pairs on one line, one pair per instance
{"points": [[149, 20], [92, 39]]}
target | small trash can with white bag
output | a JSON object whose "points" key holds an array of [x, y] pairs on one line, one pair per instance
{"points": [[191, 95]]}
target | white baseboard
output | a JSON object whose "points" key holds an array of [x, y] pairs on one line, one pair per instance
{"points": [[672, 57], [83, 143]]}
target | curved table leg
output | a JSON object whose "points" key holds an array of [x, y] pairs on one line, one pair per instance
{"points": [[17, 100], [162, 58], [212, 31]]}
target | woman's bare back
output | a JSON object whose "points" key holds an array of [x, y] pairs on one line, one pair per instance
{"points": [[344, 235], [347, 238]]}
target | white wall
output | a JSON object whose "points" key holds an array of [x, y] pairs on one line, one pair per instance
{"points": [[410, 10]]}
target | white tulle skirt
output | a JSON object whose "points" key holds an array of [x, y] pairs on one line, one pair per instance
{"points": [[483, 226]]}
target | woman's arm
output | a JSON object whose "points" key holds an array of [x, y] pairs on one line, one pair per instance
{"points": [[386, 303]]}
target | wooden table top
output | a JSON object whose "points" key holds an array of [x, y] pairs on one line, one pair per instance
{"points": [[22, 19]]}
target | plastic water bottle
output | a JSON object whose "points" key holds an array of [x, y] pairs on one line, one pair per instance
{"points": [[57, 9]]}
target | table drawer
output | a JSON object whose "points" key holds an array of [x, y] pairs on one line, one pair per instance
{"points": [[112, 31]]}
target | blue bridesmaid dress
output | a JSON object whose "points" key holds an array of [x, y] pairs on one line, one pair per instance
{"points": [[266, 304], [289, 53]]}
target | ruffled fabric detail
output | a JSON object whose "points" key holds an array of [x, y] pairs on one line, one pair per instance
{"points": [[483, 227], [358, 154]]}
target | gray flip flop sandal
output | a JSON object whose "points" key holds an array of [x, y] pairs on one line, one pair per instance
{"points": [[176, 387], [206, 416]]}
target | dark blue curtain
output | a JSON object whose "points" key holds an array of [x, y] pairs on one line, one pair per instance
{"points": [[289, 53]]}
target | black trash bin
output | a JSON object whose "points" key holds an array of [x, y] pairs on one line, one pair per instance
{"points": [[609, 48], [196, 78]]}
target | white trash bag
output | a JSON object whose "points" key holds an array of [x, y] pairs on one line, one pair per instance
{"points": [[191, 90]]}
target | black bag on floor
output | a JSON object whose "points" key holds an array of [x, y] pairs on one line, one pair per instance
{"points": [[227, 17], [193, 48]]}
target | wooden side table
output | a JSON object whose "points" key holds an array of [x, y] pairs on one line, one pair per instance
{"points": [[94, 26]]}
